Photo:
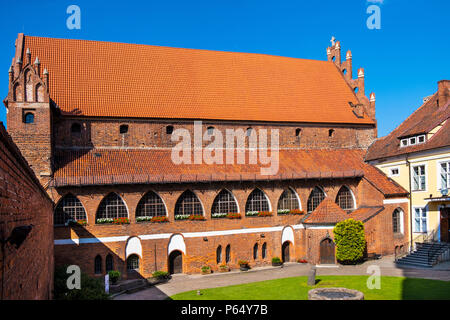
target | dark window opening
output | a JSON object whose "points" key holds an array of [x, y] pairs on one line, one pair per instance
{"points": [[219, 254], [210, 130], [169, 129], [344, 198], [133, 262], [29, 117], [98, 265], [188, 204], [264, 251], [255, 251], [315, 198], [109, 263], [298, 131], [257, 201], [76, 129], [331, 132], [227, 254], [123, 128]]}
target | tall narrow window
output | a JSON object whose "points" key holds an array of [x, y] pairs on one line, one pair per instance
{"points": [[123, 128], [210, 131], [419, 179], [109, 263], [331, 132], [264, 250], [224, 203], [169, 129], [255, 251], [112, 206], [98, 265], [397, 221], [298, 131], [219, 254], [151, 205], [344, 198], [69, 208], [188, 204], [420, 220], [257, 201], [288, 200], [315, 198], [445, 175], [227, 254]]}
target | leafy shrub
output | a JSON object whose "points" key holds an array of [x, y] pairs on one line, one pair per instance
{"points": [[161, 275], [206, 269], [114, 276], [276, 260], [91, 288], [350, 241]]}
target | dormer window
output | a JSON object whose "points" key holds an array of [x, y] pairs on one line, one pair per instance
{"points": [[412, 140]]}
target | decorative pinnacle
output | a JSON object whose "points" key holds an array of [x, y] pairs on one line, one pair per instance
{"points": [[28, 51], [10, 69], [37, 61], [45, 72], [333, 39], [19, 61]]}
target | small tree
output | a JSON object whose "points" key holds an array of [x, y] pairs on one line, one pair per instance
{"points": [[350, 241]]}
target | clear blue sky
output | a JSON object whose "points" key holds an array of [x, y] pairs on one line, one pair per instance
{"points": [[403, 60]]}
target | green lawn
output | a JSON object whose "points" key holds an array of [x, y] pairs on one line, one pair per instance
{"points": [[392, 288]]}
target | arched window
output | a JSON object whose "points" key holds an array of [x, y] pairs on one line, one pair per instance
{"points": [[228, 253], [249, 131], [257, 201], [68, 209], [219, 254], [298, 131], [344, 198], [330, 132], [76, 129], [151, 205], [255, 251], [210, 130], [188, 204], [112, 206], [288, 200], [98, 265], [397, 221], [264, 250], [28, 118], [123, 128], [224, 203], [315, 198], [109, 263], [133, 262]]}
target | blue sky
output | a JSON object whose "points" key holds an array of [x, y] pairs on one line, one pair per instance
{"points": [[403, 60]]}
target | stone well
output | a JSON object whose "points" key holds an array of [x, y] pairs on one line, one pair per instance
{"points": [[335, 294]]}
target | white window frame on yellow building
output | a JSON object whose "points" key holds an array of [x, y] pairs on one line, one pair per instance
{"points": [[425, 176]]}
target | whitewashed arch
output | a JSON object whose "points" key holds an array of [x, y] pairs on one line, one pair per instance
{"points": [[176, 242], [287, 235], [133, 247]]}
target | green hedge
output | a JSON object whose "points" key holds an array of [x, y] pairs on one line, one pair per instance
{"points": [[350, 241]]}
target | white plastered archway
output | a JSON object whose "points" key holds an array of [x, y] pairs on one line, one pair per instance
{"points": [[287, 235], [176, 242], [133, 247]]}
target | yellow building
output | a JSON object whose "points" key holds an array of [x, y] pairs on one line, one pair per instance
{"points": [[416, 155]]}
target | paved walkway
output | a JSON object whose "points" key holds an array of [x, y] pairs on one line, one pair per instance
{"points": [[183, 282]]}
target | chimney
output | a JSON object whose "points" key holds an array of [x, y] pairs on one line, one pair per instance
{"points": [[443, 92]]}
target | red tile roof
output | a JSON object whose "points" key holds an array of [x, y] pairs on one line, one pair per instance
{"points": [[423, 120], [327, 212], [92, 78], [130, 166]]}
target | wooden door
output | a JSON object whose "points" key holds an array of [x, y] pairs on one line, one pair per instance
{"points": [[175, 262], [327, 251], [285, 251], [445, 225]]}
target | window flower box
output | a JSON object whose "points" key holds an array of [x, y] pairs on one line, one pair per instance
{"points": [[243, 265], [264, 214], [224, 268], [252, 213], [155, 219], [75, 223], [196, 217], [218, 215], [233, 215], [112, 221], [182, 217], [288, 211]]}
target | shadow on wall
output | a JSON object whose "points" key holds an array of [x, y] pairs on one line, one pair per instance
{"points": [[97, 259]]}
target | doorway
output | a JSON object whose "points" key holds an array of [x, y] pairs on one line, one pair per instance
{"points": [[175, 262], [285, 248], [445, 225], [327, 251]]}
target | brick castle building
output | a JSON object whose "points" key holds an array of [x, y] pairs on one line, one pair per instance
{"points": [[96, 121]]}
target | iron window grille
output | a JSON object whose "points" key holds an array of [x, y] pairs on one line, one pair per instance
{"points": [[151, 205], [69, 208], [288, 200], [188, 204], [257, 201], [344, 198], [315, 198], [112, 206], [224, 203]]}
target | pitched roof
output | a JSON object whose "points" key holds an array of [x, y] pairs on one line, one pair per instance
{"points": [[423, 120], [327, 212], [93, 78], [130, 166]]}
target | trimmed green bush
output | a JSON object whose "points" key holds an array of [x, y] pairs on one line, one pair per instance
{"points": [[91, 288], [114, 276], [161, 275], [350, 241], [276, 260]]}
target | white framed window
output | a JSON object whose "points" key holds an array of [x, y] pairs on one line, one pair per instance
{"points": [[419, 178], [394, 172], [412, 140], [444, 175], [420, 220], [404, 143], [421, 139]]}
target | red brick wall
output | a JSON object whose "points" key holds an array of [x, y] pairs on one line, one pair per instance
{"points": [[28, 272]]}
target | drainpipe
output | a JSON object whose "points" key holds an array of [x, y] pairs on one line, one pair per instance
{"points": [[408, 164]]}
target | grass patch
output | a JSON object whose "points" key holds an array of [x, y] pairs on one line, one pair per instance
{"points": [[296, 288]]}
